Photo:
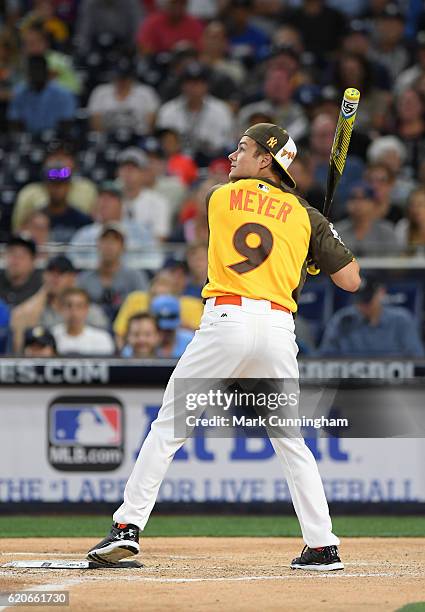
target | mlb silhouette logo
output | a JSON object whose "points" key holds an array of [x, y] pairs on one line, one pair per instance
{"points": [[89, 425]]}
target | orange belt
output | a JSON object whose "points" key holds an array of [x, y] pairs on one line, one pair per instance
{"points": [[236, 300]]}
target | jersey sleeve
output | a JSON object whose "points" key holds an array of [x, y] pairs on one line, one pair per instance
{"points": [[327, 249]]}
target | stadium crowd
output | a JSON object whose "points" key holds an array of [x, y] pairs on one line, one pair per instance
{"points": [[118, 116]]}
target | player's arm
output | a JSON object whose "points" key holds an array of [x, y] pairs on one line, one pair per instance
{"points": [[330, 254]]}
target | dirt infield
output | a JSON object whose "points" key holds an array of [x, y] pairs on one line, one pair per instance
{"points": [[226, 574]]}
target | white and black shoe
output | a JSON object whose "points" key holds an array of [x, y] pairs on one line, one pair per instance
{"points": [[324, 559], [120, 543]]}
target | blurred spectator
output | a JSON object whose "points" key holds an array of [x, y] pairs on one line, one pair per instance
{"points": [[285, 35], [65, 219], [411, 231], [369, 328], [74, 336], [192, 221], [353, 70], [215, 53], [162, 29], [389, 49], [321, 140], [35, 41], [362, 231], [170, 187], [19, 280], [142, 204], [43, 11], [382, 180], [39, 342], [173, 338], [410, 118], [37, 226], [197, 264], [4, 327], [390, 150], [142, 337], [322, 27], [204, 122], [109, 209], [177, 163], [45, 307], [248, 43], [82, 191], [115, 20], [124, 103], [111, 282], [408, 77], [302, 171], [40, 104], [278, 103], [163, 283]]}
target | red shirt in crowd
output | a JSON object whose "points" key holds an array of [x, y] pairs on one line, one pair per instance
{"points": [[158, 33]]}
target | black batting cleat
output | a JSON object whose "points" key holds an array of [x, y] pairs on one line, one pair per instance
{"points": [[122, 542], [323, 559]]}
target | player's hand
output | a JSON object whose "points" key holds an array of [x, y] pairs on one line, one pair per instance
{"points": [[312, 268]]}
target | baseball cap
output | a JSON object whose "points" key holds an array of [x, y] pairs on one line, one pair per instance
{"points": [[166, 310], [278, 143], [133, 155], [61, 264], [113, 187], [195, 71], [113, 226], [39, 335], [24, 241], [368, 287], [361, 190], [57, 172]]}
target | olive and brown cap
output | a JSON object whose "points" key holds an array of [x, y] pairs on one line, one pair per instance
{"points": [[278, 143]]}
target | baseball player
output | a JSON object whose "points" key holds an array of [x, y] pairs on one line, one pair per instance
{"points": [[261, 237]]}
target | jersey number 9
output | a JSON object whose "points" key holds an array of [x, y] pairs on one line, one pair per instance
{"points": [[254, 255]]}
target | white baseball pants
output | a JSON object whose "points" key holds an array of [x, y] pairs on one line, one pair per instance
{"points": [[252, 341]]}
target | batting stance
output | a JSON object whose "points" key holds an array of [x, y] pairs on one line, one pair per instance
{"points": [[261, 236]]}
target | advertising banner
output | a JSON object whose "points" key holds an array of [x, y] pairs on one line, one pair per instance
{"points": [[79, 444]]}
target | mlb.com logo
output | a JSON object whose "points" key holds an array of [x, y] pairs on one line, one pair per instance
{"points": [[86, 433]]}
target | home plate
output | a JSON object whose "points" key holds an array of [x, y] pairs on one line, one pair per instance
{"points": [[72, 565]]}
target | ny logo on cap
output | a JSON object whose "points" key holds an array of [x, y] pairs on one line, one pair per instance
{"points": [[272, 142]]}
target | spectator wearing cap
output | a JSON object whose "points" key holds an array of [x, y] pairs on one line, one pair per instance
{"points": [[322, 133], [40, 104], [20, 279], [82, 191], [124, 103], [111, 282], [362, 231], [65, 219], [177, 163], [247, 42], [370, 328], [143, 205], [45, 307], [165, 282], [74, 336], [204, 122], [409, 76], [39, 342], [169, 186], [389, 49], [173, 338], [108, 209], [142, 337], [164, 28]]}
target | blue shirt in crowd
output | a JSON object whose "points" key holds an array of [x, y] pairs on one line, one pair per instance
{"points": [[41, 110], [350, 334]]}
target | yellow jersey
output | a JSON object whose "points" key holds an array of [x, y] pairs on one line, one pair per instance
{"points": [[260, 238]]}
